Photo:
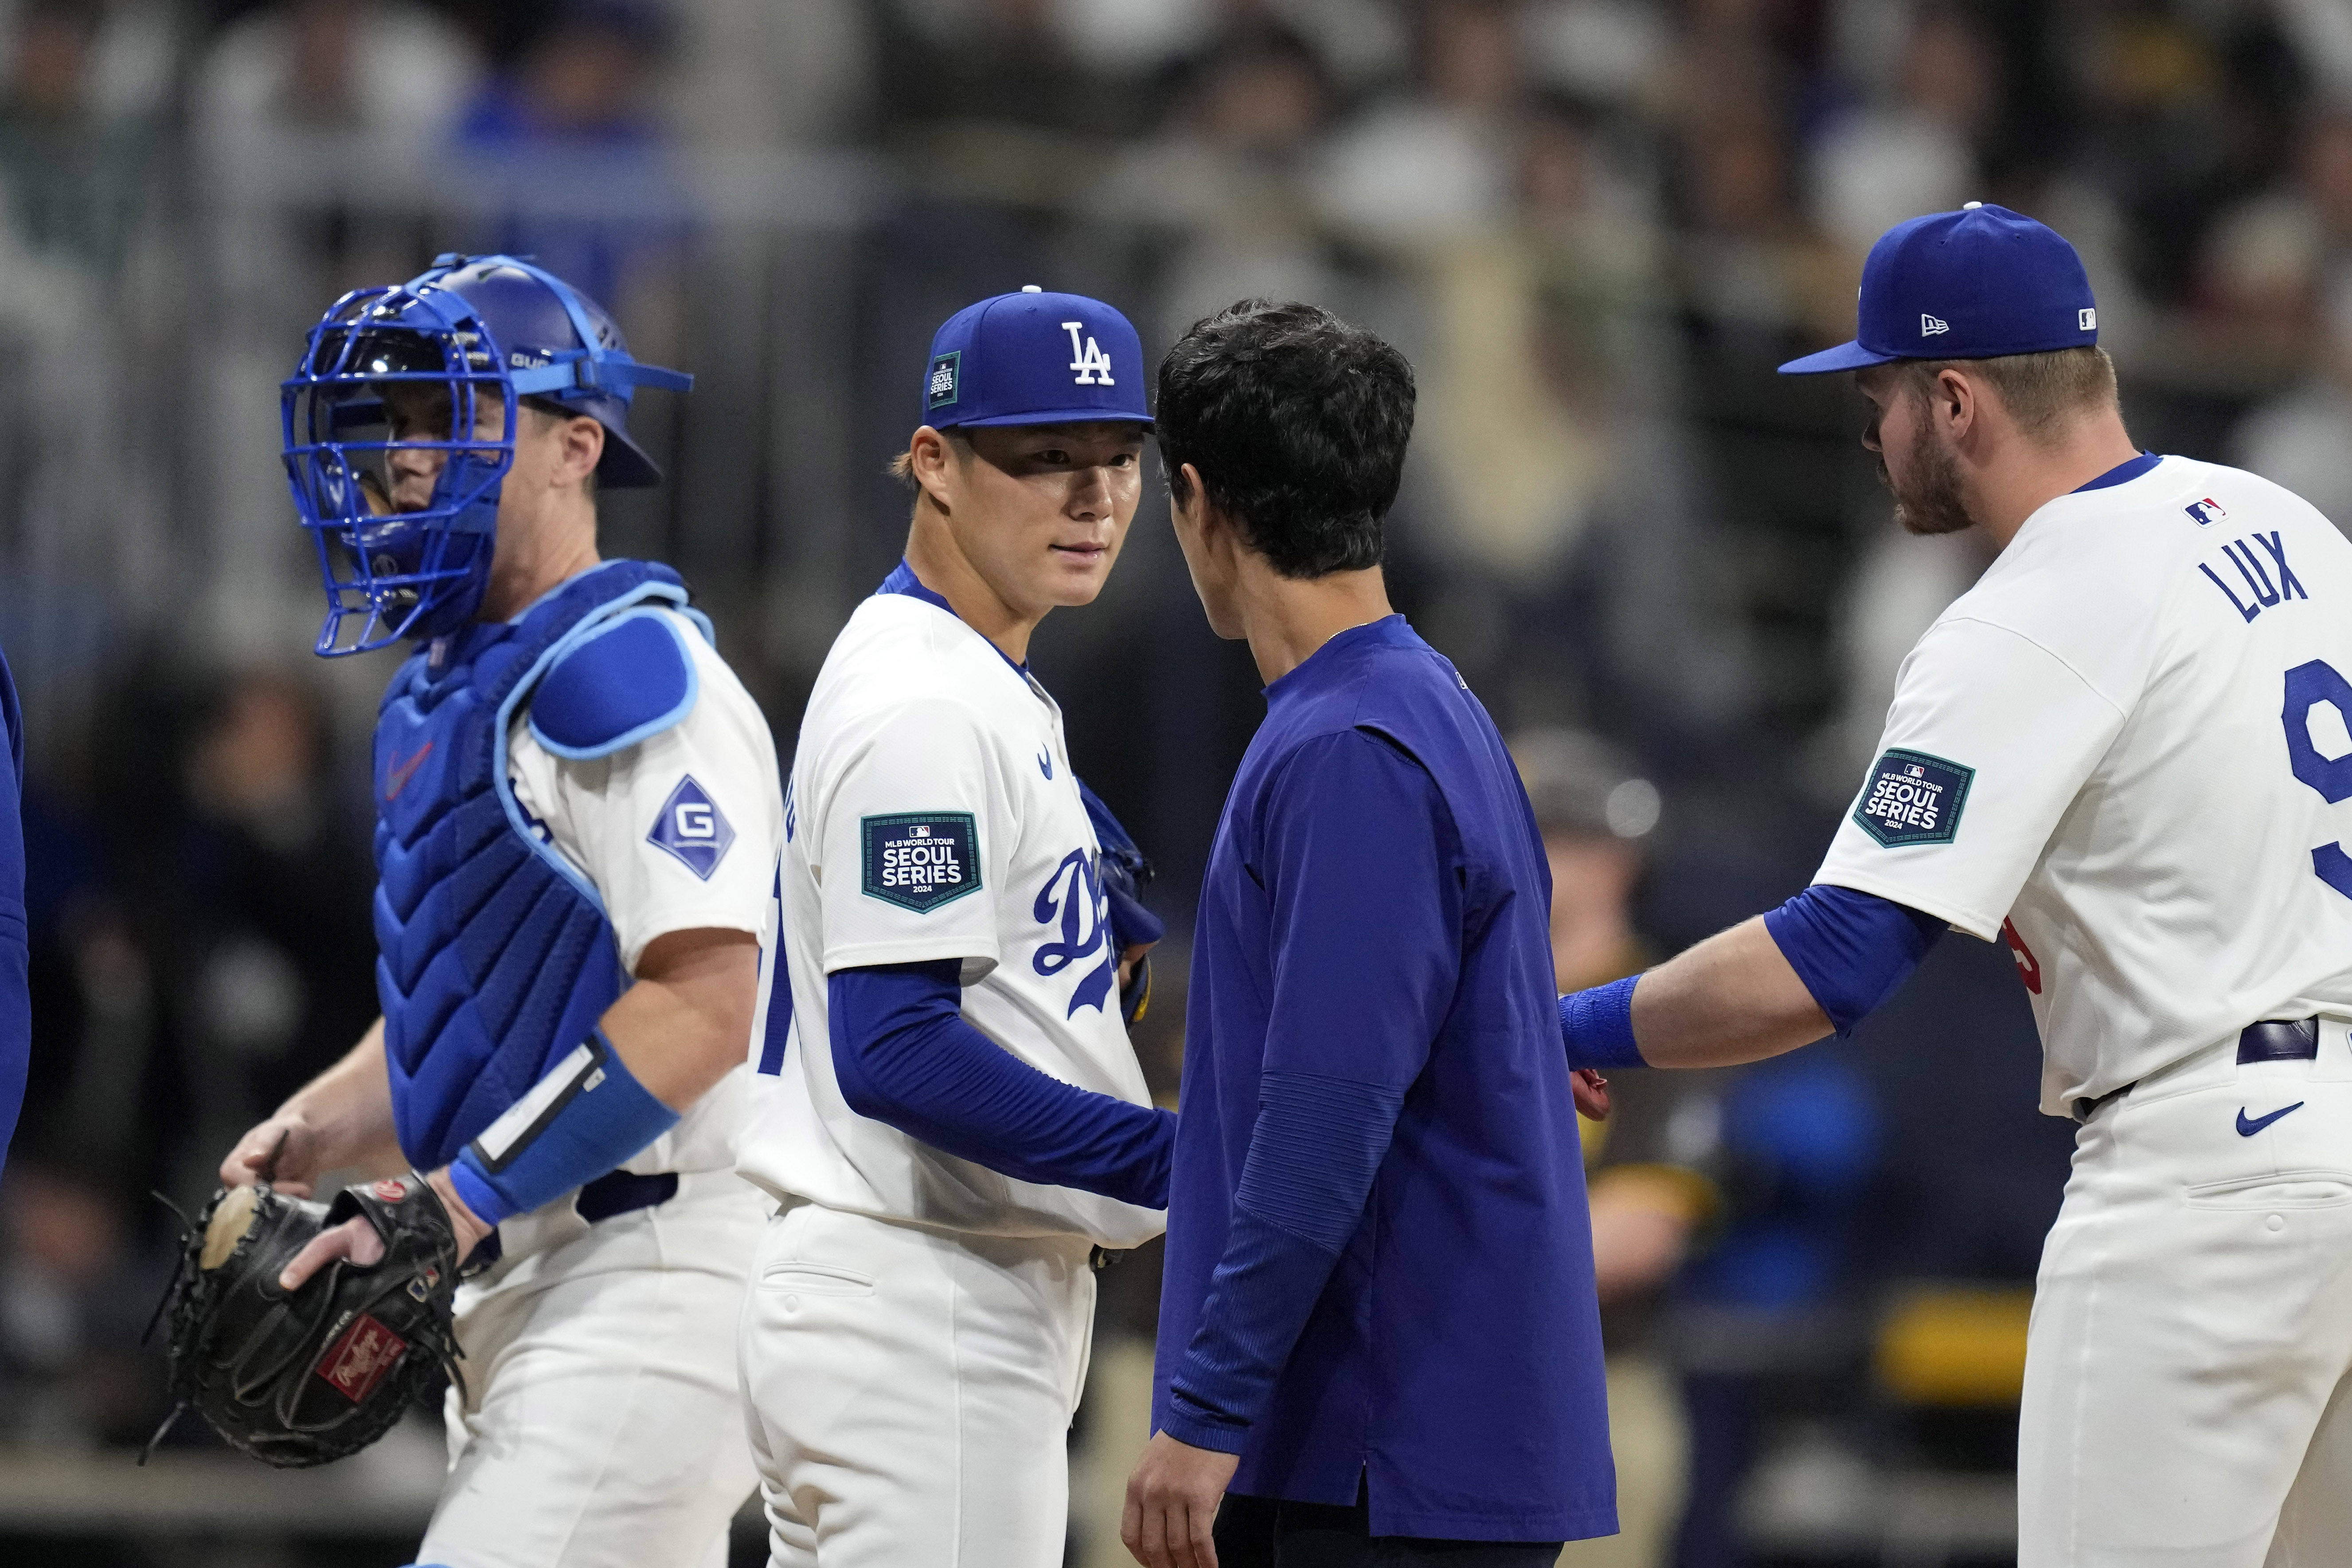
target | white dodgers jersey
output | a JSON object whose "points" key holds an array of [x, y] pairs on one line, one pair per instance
{"points": [[932, 815], [2125, 753]]}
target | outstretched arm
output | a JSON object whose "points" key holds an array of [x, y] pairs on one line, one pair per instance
{"points": [[903, 1055], [1820, 964], [1732, 998]]}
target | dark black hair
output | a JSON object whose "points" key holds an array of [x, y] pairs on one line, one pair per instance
{"points": [[1297, 422]]}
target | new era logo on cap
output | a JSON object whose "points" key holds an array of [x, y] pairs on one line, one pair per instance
{"points": [[1930, 325]]}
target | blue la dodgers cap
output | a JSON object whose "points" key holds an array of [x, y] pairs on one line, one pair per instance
{"points": [[1975, 284], [1034, 358]]}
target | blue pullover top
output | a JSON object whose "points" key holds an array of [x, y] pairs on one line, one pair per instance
{"points": [[1380, 1265]]}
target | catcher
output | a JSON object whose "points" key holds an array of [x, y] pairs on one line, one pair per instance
{"points": [[577, 816]]}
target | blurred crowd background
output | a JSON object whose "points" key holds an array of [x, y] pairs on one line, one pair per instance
{"points": [[1593, 226]]}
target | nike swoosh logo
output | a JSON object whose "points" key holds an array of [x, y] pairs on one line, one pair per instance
{"points": [[396, 777], [2248, 1129], [1043, 766]]}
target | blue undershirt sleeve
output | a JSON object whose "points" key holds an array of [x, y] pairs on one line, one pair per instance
{"points": [[1851, 949], [904, 1055], [1361, 868]]}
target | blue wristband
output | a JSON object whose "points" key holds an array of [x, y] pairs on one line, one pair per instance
{"points": [[1596, 1025], [581, 1120]]}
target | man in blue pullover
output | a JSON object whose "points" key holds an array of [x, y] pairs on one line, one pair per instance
{"points": [[1378, 1326]]}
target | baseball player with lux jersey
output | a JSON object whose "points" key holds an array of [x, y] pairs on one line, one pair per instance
{"points": [[577, 817], [946, 1104], [2124, 754]]}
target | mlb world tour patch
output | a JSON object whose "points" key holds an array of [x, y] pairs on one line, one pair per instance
{"points": [[920, 860], [1912, 798]]}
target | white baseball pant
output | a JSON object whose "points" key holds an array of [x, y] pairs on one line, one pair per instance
{"points": [[911, 1391], [605, 1427], [2185, 1386]]}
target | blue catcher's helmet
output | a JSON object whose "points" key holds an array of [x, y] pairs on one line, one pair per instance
{"points": [[468, 331]]}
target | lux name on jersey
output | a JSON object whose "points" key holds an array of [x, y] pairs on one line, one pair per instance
{"points": [[918, 865], [2256, 571], [1905, 803]]}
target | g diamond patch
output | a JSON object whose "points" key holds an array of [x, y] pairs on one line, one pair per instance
{"points": [[1912, 798], [692, 827], [920, 860]]}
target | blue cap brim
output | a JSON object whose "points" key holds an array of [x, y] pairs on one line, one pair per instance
{"points": [[1057, 416], [1845, 357]]}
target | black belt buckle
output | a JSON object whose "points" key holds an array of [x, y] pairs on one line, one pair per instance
{"points": [[2279, 1040]]}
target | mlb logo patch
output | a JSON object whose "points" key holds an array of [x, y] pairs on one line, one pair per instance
{"points": [[940, 386], [692, 827], [1912, 798], [2206, 513], [920, 860]]}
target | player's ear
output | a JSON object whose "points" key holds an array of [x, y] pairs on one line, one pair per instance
{"points": [[1185, 494], [584, 448], [1956, 404], [928, 460]]}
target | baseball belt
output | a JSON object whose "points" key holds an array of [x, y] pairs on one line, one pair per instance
{"points": [[2272, 1040]]}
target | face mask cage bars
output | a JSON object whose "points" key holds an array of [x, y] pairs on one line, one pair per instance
{"points": [[395, 569]]}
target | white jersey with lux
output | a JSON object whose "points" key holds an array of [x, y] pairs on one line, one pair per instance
{"points": [[605, 816], [932, 815], [2123, 751]]}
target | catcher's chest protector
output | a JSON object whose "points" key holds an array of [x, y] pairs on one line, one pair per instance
{"points": [[494, 954]]}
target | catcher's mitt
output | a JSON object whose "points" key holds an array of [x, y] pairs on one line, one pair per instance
{"points": [[300, 1378]]}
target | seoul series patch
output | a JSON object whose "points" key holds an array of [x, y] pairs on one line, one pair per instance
{"points": [[920, 860], [692, 827], [940, 388], [1912, 798]]}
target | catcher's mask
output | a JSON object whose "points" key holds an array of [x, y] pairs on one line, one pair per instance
{"points": [[468, 334]]}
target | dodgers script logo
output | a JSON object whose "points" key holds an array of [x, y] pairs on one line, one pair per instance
{"points": [[1912, 798], [1073, 902], [920, 860]]}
